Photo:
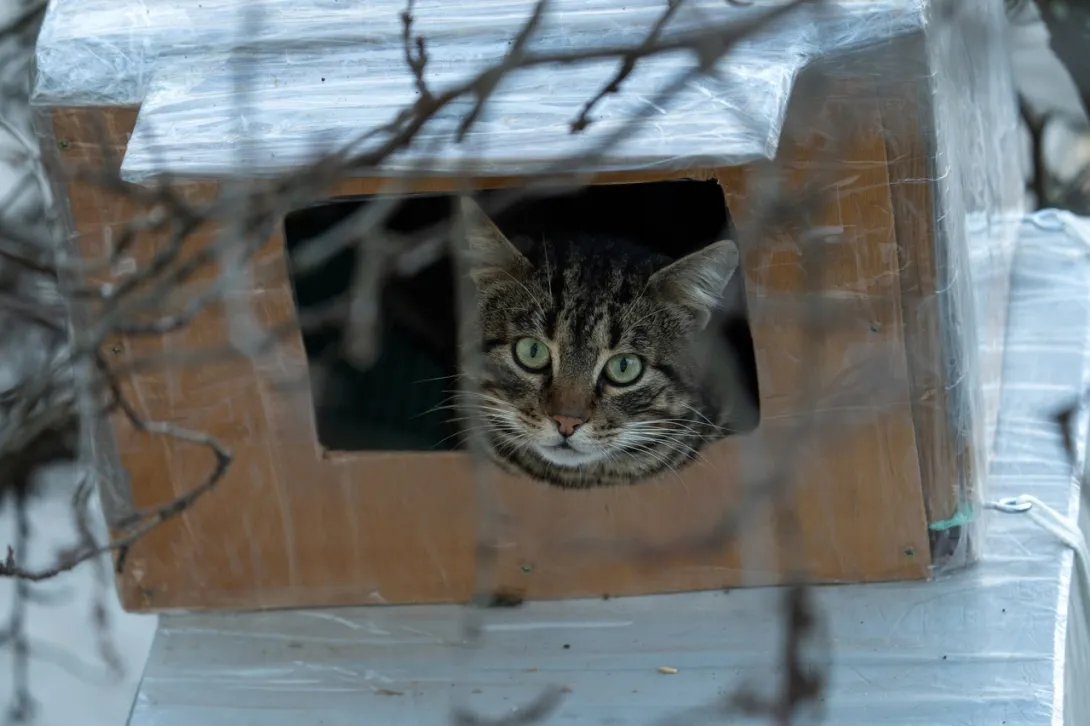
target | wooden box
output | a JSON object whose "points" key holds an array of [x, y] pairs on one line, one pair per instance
{"points": [[890, 400]]}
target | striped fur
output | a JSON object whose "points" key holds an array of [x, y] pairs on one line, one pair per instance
{"points": [[588, 298]]}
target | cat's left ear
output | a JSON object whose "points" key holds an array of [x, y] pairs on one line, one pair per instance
{"points": [[489, 254], [697, 280]]}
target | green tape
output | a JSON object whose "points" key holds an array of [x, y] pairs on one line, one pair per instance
{"points": [[962, 517]]}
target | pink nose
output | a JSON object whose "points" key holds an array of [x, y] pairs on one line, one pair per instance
{"points": [[567, 425]]}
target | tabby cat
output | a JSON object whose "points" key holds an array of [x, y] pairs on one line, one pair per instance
{"points": [[596, 352]]}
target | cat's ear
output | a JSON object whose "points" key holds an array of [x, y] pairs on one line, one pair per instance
{"points": [[697, 280], [488, 252]]}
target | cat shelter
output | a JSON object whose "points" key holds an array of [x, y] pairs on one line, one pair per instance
{"points": [[914, 235]]}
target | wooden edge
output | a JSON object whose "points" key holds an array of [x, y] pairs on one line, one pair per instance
{"points": [[939, 404], [98, 441]]}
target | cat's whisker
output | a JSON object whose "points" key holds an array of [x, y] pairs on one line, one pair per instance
{"points": [[548, 270], [445, 404], [685, 452], [648, 316], [489, 422], [685, 440], [497, 402], [688, 452], [632, 306], [436, 409], [660, 433], [690, 435], [479, 394], [533, 298], [466, 405], [716, 427], [469, 413], [693, 424], [512, 443], [667, 465], [488, 407], [451, 377], [675, 437], [464, 433], [505, 436], [672, 426], [677, 445]]}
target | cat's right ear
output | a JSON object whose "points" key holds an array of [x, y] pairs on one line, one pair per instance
{"points": [[489, 254], [696, 281]]}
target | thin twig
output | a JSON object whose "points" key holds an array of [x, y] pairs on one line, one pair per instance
{"points": [[628, 64], [416, 54]]}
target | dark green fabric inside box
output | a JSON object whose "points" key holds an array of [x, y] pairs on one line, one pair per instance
{"points": [[392, 406]]}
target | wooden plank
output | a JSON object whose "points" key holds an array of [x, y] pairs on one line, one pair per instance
{"points": [[294, 526]]}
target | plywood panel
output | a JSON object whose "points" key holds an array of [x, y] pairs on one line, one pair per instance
{"points": [[291, 525]]}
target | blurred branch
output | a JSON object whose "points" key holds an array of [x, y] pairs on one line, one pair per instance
{"points": [[628, 64], [168, 289], [416, 54]]}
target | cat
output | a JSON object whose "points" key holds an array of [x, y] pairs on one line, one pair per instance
{"points": [[595, 353]]}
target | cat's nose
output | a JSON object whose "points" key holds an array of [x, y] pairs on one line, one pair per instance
{"points": [[567, 425]]}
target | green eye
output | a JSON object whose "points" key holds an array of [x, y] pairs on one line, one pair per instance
{"points": [[623, 369], [531, 353]]}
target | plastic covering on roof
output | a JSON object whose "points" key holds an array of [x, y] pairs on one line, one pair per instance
{"points": [[321, 73]]}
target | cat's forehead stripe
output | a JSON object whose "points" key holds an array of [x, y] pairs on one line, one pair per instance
{"points": [[591, 310]]}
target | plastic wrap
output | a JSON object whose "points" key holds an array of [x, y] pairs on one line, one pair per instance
{"points": [[1001, 643], [978, 179], [314, 81], [924, 213]]}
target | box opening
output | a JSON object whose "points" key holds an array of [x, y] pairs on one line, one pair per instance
{"points": [[401, 403]]}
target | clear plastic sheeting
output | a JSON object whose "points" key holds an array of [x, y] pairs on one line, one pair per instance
{"points": [[976, 180], [527, 125], [927, 181], [102, 53], [319, 74], [985, 646]]}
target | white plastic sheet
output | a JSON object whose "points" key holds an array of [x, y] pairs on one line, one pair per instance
{"points": [[319, 74]]}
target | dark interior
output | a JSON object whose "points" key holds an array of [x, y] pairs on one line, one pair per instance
{"points": [[398, 403]]}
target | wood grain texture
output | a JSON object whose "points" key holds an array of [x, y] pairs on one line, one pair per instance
{"points": [[292, 525]]}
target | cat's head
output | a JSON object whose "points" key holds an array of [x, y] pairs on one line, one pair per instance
{"points": [[589, 372]]}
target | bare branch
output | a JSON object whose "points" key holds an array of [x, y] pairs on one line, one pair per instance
{"points": [[416, 54], [628, 64]]}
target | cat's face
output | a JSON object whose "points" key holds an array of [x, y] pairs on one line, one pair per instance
{"points": [[589, 375]]}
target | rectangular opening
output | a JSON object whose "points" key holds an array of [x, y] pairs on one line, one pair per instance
{"points": [[402, 401]]}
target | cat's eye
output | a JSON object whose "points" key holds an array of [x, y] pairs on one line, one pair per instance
{"points": [[623, 369], [531, 353]]}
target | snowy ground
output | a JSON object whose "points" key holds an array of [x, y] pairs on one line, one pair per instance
{"points": [[68, 676]]}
